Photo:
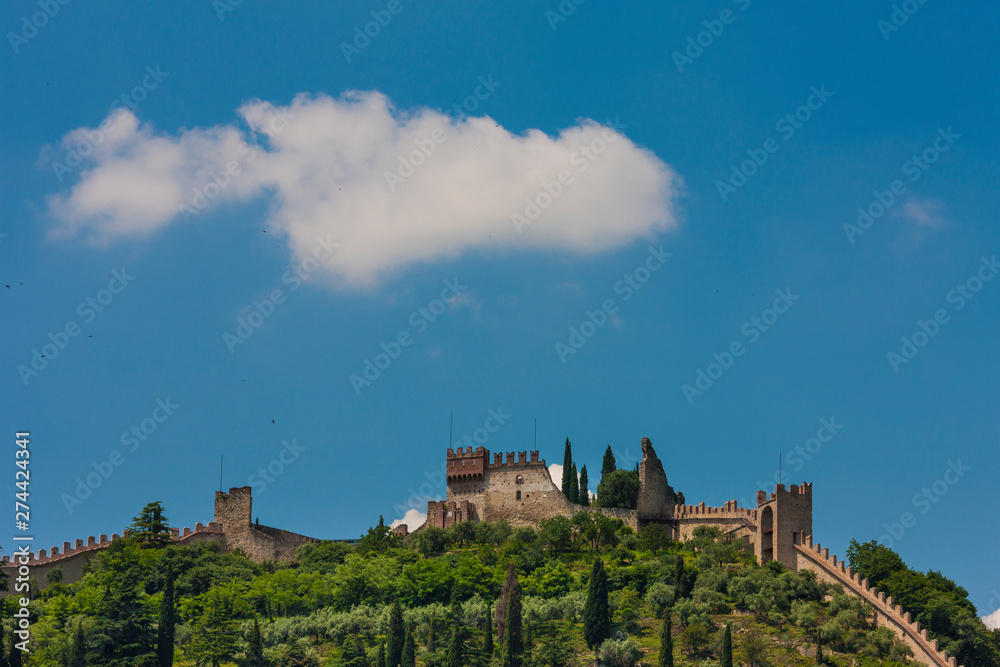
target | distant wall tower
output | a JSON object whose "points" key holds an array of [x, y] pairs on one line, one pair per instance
{"points": [[234, 509], [784, 519]]}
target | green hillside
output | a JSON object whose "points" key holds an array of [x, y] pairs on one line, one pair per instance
{"points": [[572, 580]]}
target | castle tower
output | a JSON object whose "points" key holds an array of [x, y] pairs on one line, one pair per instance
{"points": [[784, 519], [656, 496], [234, 509]]}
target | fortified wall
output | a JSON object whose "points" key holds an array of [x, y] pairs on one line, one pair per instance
{"points": [[232, 529]]}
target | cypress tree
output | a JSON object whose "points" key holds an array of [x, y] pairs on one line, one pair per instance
{"points": [[667, 643], [456, 647], [679, 578], [409, 657], [584, 490], [168, 620], [394, 645], [727, 648], [255, 646], [380, 660], [500, 615], [596, 612], [15, 653], [488, 639], [3, 654], [574, 486], [512, 647], [608, 465], [567, 466], [430, 635]]}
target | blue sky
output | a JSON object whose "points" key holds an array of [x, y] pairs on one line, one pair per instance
{"points": [[265, 92]]}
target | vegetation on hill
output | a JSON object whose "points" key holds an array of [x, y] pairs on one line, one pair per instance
{"points": [[480, 595]]}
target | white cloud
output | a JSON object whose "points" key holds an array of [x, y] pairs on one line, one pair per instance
{"points": [[321, 164], [992, 621], [556, 469], [413, 519], [923, 213]]}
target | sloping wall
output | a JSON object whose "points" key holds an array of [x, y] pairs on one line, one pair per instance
{"points": [[827, 568]]}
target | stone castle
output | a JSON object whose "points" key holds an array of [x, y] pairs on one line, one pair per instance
{"points": [[521, 491]]}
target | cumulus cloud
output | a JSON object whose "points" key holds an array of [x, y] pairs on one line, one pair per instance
{"points": [[391, 188], [413, 519], [992, 621]]}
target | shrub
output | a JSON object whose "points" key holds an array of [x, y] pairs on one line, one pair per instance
{"points": [[620, 652]]}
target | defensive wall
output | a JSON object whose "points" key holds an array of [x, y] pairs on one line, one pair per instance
{"points": [[809, 556]]}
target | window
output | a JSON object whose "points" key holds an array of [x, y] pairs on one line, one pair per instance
{"points": [[518, 495], [463, 464], [519, 480]]}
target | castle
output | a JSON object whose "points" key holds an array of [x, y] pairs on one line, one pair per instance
{"points": [[520, 490]]}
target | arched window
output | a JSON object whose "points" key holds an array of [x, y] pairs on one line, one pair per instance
{"points": [[518, 495], [519, 480]]}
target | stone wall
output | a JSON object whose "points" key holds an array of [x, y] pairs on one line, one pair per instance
{"points": [[233, 511], [809, 556]]}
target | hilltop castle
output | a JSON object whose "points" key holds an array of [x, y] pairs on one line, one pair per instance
{"points": [[522, 492]]}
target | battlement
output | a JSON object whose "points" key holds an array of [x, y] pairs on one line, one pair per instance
{"points": [[43, 556], [469, 452], [805, 489], [730, 510], [926, 650], [521, 460]]}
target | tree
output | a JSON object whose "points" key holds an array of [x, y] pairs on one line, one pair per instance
{"points": [[596, 611], [694, 638], [394, 644], [508, 620], [74, 662], [215, 632], [666, 642], [488, 638], [150, 528], [168, 619], [619, 488], [608, 465], [567, 470], [727, 648], [54, 576], [15, 654], [512, 647], [255, 646], [456, 647], [351, 654], [584, 488], [873, 561], [574, 486], [409, 657], [380, 660], [754, 649], [378, 539]]}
